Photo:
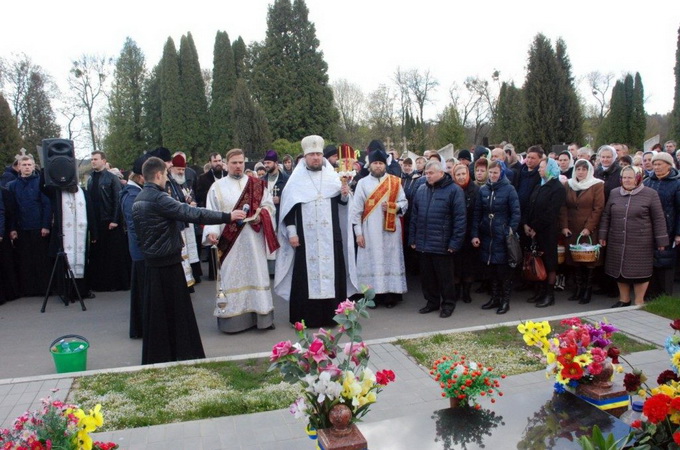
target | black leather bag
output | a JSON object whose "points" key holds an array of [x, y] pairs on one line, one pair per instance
{"points": [[665, 259], [514, 249]]}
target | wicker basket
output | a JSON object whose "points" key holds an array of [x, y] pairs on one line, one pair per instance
{"points": [[561, 257], [584, 255]]}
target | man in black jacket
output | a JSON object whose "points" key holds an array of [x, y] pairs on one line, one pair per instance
{"points": [[170, 332]]}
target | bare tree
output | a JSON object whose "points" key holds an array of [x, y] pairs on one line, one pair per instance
{"points": [[87, 80], [421, 86], [476, 103], [349, 101], [599, 85], [401, 80], [380, 111], [16, 73]]}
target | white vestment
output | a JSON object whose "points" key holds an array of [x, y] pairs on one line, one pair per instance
{"points": [[380, 264], [244, 278], [74, 229]]}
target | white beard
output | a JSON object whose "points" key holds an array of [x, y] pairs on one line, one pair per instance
{"points": [[180, 179]]}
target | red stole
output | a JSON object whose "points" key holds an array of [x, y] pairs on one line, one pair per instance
{"points": [[390, 187], [252, 195]]}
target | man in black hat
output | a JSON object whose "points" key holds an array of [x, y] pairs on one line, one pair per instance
{"points": [[276, 180], [330, 152]]}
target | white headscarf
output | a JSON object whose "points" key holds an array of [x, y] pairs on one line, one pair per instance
{"points": [[588, 181]]}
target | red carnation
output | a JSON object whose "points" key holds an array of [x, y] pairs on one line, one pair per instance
{"points": [[656, 408], [636, 424], [676, 324], [613, 353], [676, 437], [384, 377], [632, 382], [666, 376]]}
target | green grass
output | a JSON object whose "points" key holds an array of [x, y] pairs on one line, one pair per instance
{"points": [[665, 306], [182, 393], [501, 347]]}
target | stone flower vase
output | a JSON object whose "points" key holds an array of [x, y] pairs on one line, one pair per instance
{"points": [[343, 435], [454, 402]]}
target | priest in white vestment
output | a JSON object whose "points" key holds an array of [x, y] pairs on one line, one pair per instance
{"points": [[379, 202], [315, 267], [244, 297]]}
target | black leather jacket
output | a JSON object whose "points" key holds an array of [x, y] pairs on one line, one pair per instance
{"points": [[109, 194], [156, 215]]}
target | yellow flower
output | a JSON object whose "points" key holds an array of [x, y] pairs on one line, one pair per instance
{"points": [[350, 385], [676, 360], [550, 357], [583, 360], [84, 441]]}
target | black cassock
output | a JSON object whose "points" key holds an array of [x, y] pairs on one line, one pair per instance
{"points": [[316, 312]]}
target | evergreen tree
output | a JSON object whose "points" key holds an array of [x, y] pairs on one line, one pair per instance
{"points": [[290, 77], [223, 81], [450, 129], [509, 124], [675, 113], [196, 138], [570, 125], [126, 139], [10, 137], [240, 55], [39, 121], [251, 131], [541, 92], [614, 127], [638, 120], [152, 108], [172, 118]]}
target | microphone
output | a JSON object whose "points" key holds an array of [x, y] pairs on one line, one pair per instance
{"points": [[246, 209]]}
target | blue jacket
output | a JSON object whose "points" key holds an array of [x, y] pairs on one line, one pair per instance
{"points": [[438, 219], [525, 183], [8, 176], [668, 189], [127, 198], [33, 210], [496, 212]]}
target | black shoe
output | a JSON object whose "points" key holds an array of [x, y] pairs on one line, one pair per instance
{"points": [[505, 307], [390, 305], [492, 303], [578, 295], [548, 299], [444, 313], [536, 297], [427, 309], [620, 304], [587, 295]]}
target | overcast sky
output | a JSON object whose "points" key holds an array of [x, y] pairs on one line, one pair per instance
{"points": [[365, 40]]}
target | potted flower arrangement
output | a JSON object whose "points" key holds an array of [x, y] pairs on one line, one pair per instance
{"points": [[579, 355], [56, 425], [329, 372], [462, 381]]}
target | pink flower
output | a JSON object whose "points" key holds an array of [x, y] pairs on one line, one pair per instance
{"points": [[599, 355], [345, 307], [333, 369], [595, 368], [356, 351], [300, 326], [572, 322], [317, 351], [282, 349]]}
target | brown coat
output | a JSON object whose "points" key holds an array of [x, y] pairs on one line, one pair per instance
{"points": [[633, 226], [582, 211]]}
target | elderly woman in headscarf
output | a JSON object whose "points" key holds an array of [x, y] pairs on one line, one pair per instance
{"points": [[541, 224], [608, 169], [665, 180], [580, 216], [465, 259], [631, 227]]}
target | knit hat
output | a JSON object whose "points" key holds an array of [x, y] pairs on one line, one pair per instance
{"points": [[665, 157], [377, 156], [375, 145], [139, 162], [312, 144], [329, 151], [465, 154], [179, 161], [271, 155]]}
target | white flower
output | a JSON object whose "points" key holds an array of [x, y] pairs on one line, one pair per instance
{"points": [[368, 374], [299, 409]]}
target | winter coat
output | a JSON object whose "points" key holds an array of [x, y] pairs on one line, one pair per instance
{"points": [[8, 176], [32, 207], [525, 184], [542, 215], [633, 226], [155, 215], [582, 209], [127, 198], [611, 178], [438, 221], [471, 193], [496, 212], [668, 189]]}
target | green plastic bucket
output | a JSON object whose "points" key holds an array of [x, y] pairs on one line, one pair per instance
{"points": [[70, 353]]}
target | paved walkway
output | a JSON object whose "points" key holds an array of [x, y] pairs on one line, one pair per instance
{"points": [[413, 392]]}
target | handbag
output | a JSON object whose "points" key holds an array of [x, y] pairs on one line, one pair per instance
{"points": [[533, 268], [514, 249], [665, 259]]}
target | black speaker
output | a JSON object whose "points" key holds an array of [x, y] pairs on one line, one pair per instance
{"points": [[59, 160]]}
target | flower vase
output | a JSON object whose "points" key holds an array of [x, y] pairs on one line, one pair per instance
{"points": [[604, 378], [454, 402]]}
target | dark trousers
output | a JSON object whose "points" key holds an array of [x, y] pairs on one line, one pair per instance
{"points": [[436, 276], [662, 282]]}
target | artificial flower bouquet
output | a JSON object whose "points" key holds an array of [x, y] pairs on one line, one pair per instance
{"points": [[466, 380], [329, 372], [56, 426], [574, 356]]}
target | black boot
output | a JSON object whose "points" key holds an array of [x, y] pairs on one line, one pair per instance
{"points": [[505, 300], [587, 288], [465, 294], [495, 300], [578, 279], [483, 287], [549, 297], [538, 293]]}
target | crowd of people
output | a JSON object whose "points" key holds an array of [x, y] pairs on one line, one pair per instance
{"points": [[325, 224]]}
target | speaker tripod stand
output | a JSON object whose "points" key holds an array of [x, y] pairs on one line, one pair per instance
{"points": [[68, 274]]}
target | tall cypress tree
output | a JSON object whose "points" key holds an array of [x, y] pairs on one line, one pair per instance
{"points": [[638, 120], [570, 124], [172, 118], [152, 108], [39, 121], [675, 114], [541, 92], [251, 131], [290, 77], [126, 139], [196, 138], [509, 123], [223, 81], [240, 54], [614, 128], [10, 137]]}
